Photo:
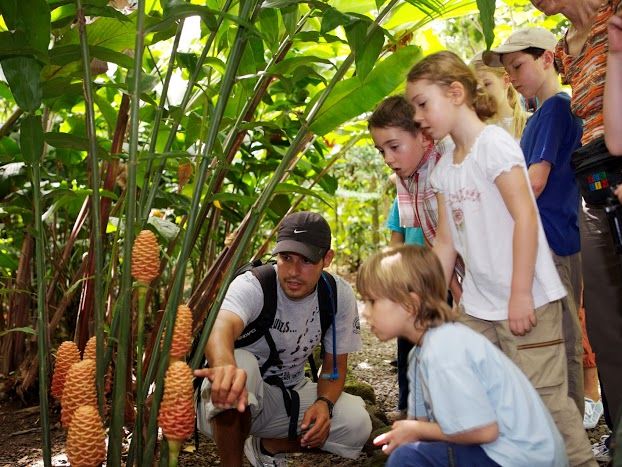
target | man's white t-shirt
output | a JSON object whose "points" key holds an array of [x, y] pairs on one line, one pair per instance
{"points": [[482, 228], [296, 329]]}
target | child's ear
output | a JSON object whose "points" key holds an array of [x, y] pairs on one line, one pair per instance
{"points": [[415, 302], [548, 58], [456, 92]]}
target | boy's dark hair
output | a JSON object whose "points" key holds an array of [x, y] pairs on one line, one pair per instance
{"points": [[396, 112], [536, 53]]}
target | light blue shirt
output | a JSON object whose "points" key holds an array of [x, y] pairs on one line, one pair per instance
{"points": [[412, 235], [469, 383]]}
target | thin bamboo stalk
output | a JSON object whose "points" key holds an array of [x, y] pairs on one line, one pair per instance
{"points": [[43, 346], [96, 234], [159, 111], [118, 395]]}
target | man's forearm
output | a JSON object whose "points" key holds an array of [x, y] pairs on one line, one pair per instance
{"points": [[332, 389]]}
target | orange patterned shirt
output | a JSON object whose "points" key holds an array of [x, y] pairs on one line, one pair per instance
{"points": [[585, 73]]}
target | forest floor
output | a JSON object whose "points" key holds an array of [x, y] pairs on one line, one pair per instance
{"points": [[20, 434]]}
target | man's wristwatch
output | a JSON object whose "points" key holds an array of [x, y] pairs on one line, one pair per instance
{"points": [[329, 403]]}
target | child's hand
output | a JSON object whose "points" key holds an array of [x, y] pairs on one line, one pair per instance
{"points": [[402, 432], [618, 193], [521, 314], [615, 34]]}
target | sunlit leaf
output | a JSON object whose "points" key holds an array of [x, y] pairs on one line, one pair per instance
{"points": [[487, 18], [352, 97], [63, 55], [366, 48]]}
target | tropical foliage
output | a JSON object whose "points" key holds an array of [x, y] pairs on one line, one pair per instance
{"points": [[204, 122]]}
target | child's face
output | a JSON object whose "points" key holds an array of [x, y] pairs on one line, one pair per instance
{"points": [[526, 73], [387, 319], [433, 107], [402, 151], [495, 86]]}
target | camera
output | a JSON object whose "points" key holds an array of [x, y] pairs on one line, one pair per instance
{"points": [[613, 210]]}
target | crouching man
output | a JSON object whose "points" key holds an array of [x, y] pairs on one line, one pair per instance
{"points": [[255, 397]]}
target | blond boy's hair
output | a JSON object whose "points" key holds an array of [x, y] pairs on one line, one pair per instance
{"points": [[397, 272]]}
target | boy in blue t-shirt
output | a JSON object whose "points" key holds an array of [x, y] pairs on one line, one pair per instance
{"points": [[552, 134]]}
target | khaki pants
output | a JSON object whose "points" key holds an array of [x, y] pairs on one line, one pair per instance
{"points": [[541, 356], [350, 426], [569, 270]]}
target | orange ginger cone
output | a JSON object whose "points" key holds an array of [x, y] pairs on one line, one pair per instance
{"points": [[90, 350], [182, 333], [79, 389], [86, 440], [67, 355], [176, 417], [145, 257]]}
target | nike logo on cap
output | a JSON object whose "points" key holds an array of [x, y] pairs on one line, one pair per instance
{"points": [[296, 231]]}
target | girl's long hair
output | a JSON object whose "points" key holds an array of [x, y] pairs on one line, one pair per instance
{"points": [[397, 272], [519, 115], [445, 68]]}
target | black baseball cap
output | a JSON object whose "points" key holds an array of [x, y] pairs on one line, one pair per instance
{"points": [[305, 233]]}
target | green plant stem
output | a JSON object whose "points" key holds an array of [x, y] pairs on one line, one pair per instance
{"points": [[96, 230], [174, 447], [247, 9], [140, 399], [158, 115], [42, 318], [254, 215], [118, 395]]}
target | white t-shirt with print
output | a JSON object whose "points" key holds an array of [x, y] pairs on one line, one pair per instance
{"points": [[296, 329], [482, 227]]}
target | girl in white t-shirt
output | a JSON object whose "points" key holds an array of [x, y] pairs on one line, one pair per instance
{"points": [[488, 215]]}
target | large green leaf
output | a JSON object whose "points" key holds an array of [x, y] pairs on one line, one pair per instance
{"points": [[31, 138], [366, 48], [69, 141], [352, 97], [23, 75], [65, 54], [16, 44], [487, 18], [110, 33]]}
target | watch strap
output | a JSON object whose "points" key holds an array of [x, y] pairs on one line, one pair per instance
{"points": [[329, 403]]}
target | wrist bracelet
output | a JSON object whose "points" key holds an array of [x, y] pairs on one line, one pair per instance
{"points": [[329, 403]]}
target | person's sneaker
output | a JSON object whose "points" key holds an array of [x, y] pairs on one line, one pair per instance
{"points": [[252, 451], [593, 412], [601, 450]]}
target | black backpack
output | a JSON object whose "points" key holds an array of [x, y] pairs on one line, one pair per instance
{"points": [[260, 327]]}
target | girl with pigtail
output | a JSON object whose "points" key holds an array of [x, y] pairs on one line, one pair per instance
{"points": [[510, 114], [480, 408], [488, 215]]}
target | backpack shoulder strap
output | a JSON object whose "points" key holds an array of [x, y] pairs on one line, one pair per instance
{"points": [[327, 293], [255, 330]]}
